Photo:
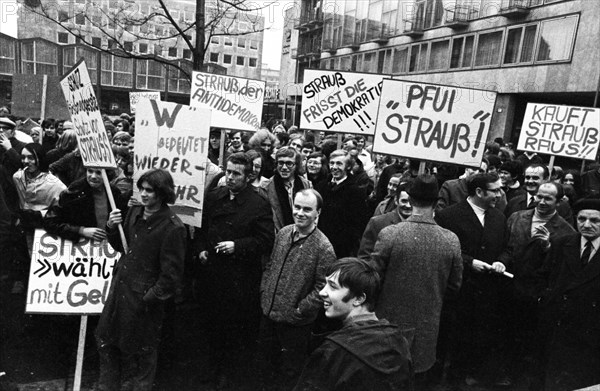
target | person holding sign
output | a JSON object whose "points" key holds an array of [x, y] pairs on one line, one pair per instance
{"points": [[83, 209], [144, 278]]}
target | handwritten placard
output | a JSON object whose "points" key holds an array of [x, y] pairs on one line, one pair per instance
{"points": [[67, 277], [134, 97], [235, 102], [337, 101], [561, 130], [81, 100], [174, 137], [433, 122]]}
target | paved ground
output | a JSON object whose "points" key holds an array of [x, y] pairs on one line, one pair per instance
{"points": [[38, 352]]}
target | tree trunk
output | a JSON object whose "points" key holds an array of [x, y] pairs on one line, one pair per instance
{"points": [[199, 50]]}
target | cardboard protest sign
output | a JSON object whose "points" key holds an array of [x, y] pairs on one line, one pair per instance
{"points": [[81, 100], [174, 137], [235, 102], [134, 97], [336, 101], [29, 99], [67, 277], [561, 130], [433, 122]]}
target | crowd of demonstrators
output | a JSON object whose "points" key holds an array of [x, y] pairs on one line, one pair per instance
{"points": [[283, 206]]}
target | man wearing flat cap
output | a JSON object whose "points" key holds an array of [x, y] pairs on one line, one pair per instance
{"points": [[10, 147], [420, 262], [571, 303]]}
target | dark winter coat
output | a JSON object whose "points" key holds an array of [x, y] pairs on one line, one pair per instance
{"points": [[342, 217], [571, 316], [145, 276], [367, 355], [231, 282], [75, 209]]}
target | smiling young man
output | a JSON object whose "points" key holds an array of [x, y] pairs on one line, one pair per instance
{"points": [[286, 182], [343, 218], [290, 287], [366, 353]]}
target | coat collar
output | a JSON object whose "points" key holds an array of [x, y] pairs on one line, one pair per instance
{"points": [[420, 219]]}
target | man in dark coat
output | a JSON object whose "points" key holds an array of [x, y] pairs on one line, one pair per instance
{"points": [[343, 217], [377, 223], [83, 209], [237, 230], [366, 354], [480, 227], [571, 304], [145, 277]]}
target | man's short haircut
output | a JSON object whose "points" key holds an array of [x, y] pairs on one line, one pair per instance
{"points": [[403, 186], [306, 192], [360, 278], [234, 132], [48, 122], [513, 167], [308, 145], [243, 159], [536, 165], [480, 181], [290, 152], [560, 191], [345, 154], [162, 182]]}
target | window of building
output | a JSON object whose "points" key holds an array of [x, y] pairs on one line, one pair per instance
{"points": [[252, 62], [178, 80], [519, 44], [253, 44], [112, 44], [80, 19], [215, 40], [158, 50], [128, 46], [462, 52], [187, 54], [97, 42], [241, 43], [63, 38], [63, 16], [39, 57], [116, 71], [214, 57], [370, 62], [228, 42], [227, 59], [418, 57], [556, 39], [143, 48], [384, 62], [438, 58], [158, 31], [489, 46], [150, 75], [72, 54], [399, 66], [173, 51], [239, 60], [429, 13], [346, 63]]}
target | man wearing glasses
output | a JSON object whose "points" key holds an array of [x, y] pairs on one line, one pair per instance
{"points": [[480, 228], [286, 182]]}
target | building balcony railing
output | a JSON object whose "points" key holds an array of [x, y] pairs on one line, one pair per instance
{"points": [[460, 16], [309, 20], [413, 27], [517, 8]]}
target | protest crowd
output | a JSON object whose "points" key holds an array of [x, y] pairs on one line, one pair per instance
{"points": [[336, 268]]}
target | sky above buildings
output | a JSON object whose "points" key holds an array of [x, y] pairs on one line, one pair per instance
{"points": [[272, 10]]}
